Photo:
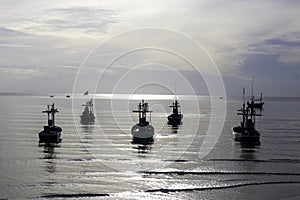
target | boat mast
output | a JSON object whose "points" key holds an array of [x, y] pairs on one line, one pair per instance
{"points": [[175, 105], [260, 97], [51, 112], [244, 110], [143, 108], [252, 96], [175, 91]]}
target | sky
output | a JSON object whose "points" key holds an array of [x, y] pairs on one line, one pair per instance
{"points": [[51, 46]]}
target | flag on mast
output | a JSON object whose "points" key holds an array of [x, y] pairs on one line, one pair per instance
{"points": [[86, 93]]}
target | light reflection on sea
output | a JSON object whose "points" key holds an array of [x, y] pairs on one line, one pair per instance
{"points": [[89, 164]]}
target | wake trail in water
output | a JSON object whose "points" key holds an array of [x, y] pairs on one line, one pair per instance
{"points": [[218, 173], [253, 160], [75, 195], [164, 190]]}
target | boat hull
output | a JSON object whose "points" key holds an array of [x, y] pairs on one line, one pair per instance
{"points": [[242, 134], [257, 105], [174, 119], [142, 141], [142, 132], [87, 119], [50, 135]]}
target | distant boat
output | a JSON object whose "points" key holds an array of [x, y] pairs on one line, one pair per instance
{"points": [[88, 116], [51, 133], [142, 132], [246, 132], [256, 103], [176, 117], [259, 103], [51, 95], [68, 96]]}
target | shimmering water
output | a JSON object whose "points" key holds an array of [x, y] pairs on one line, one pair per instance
{"points": [[100, 162]]}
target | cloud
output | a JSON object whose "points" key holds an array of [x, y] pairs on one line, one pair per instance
{"points": [[15, 45], [272, 75], [19, 71], [245, 38], [71, 22], [6, 32], [268, 67], [282, 42], [85, 19]]}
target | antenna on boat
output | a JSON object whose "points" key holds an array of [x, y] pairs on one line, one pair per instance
{"points": [[51, 111], [243, 96], [243, 109], [175, 91], [252, 96]]}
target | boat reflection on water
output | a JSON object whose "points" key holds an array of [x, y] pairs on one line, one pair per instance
{"points": [[87, 133], [174, 129], [87, 128], [248, 149], [249, 144], [49, 156], [142, 145]]}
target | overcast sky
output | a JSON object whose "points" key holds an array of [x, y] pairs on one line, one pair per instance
{"points": [[43, 43]]}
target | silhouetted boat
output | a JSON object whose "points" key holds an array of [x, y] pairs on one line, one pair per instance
{"points": [[259, 102], [68, 96], [246, 131], [51, 95], [255, 103], [176, 117], [142, 132], [88, 116], [51, 133]]}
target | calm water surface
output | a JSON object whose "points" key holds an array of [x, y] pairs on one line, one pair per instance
{"points": [[100, 162]]}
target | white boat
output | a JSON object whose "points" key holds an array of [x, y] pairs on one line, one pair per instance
{"points": [[246, 131], [51, 133], [142, 131]]}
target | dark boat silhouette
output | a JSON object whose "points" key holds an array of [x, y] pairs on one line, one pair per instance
{"points": [[255, 103], [176, 117], [51, 133], [142, 132], [246, 131], [88, 116]]}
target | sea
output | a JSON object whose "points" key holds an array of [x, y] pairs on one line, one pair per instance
{"points": [[100, 160]]}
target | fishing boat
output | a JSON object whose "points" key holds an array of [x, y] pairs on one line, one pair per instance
{"points": [[246, 131], [51, 133], [255, 103], [88, 116], [176, 117], [259, 102], [142, 131]]}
